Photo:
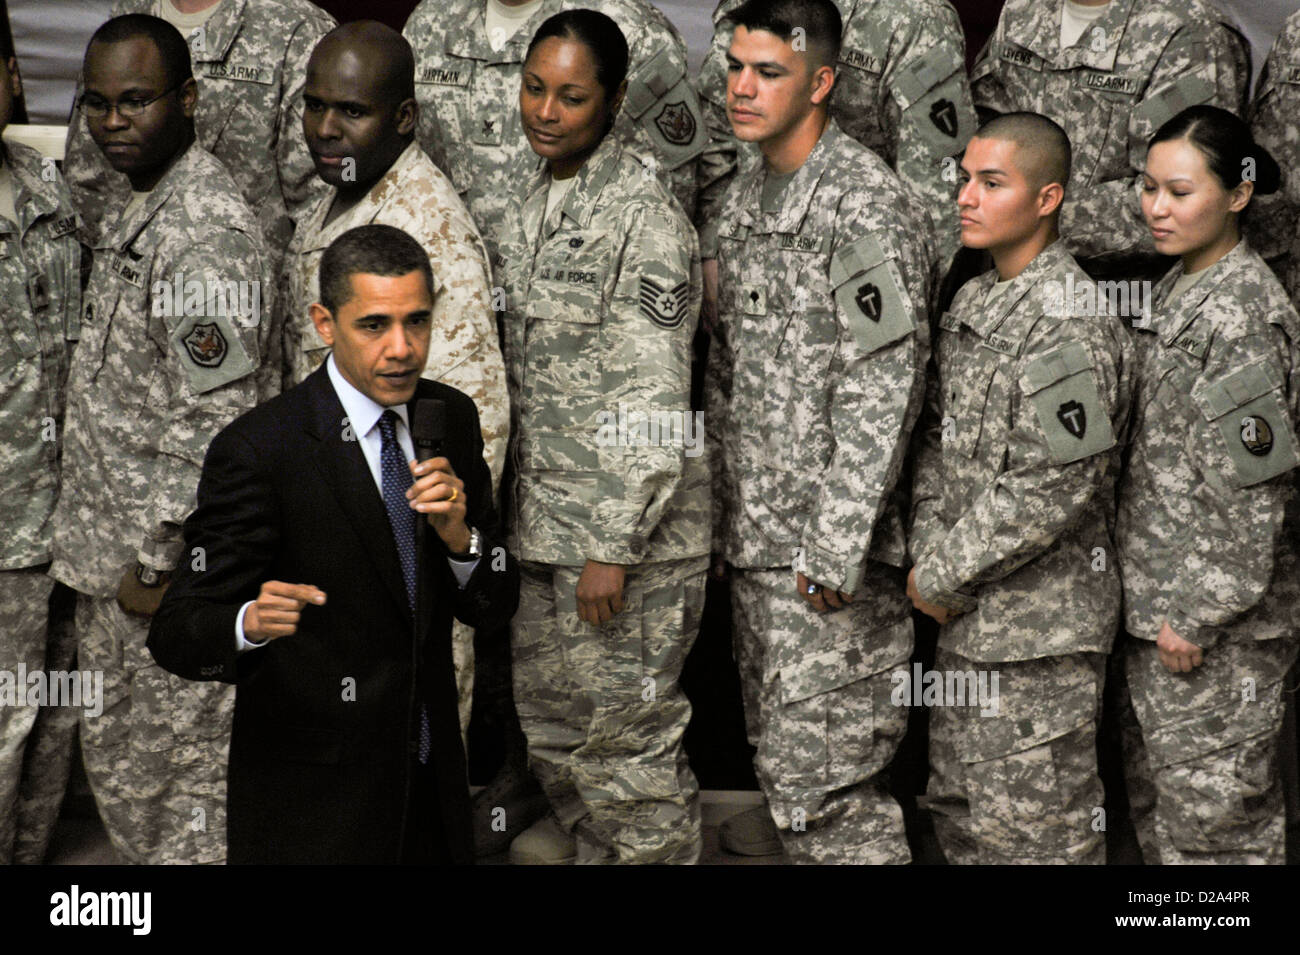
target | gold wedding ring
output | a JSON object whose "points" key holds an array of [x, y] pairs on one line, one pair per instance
{"points": [[455, 492]]}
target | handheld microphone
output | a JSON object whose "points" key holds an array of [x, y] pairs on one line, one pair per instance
{"points": [[429, 427]]}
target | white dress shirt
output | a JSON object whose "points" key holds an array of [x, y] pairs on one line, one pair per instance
{"points": [[363, 414]]}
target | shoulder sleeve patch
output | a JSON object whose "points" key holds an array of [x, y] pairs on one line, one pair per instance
{"points": [[924, 74], [661, 101], [870, 295], [1251, 421], [1191, 90], [1062, 388], [211, 351]]}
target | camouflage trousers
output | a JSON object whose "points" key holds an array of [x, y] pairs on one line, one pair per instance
{"points": [[1017, 783], [816, 690], [1200, 753], [156, 756], [24, 614], [604, 713], [47, 762]]}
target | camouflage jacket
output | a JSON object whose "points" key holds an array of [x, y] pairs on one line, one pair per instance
{"points": [[40, 309], [900, 90], [1018, 454], [250, 63], [416, 197], [1139, 65], [817, 367], [171, 335], [1271, 223], [469, 101], [604, 296], [1208, 532]]}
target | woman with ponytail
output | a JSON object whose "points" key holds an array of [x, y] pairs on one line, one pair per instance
{"points": [[1207, 526]]}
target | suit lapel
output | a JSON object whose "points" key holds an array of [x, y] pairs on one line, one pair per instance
{"points": [[343, 466]]}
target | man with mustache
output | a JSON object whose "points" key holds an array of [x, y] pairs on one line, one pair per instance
{"points": [[170, 338], [359, 119], [249, 60]]}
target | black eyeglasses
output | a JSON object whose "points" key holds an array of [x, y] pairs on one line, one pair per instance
{"points": [[98, 107]]}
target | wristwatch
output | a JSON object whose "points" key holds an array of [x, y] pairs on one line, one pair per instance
{"points": [[475, 546], [148, 576]]}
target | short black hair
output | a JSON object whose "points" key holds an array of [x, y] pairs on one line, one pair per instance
{"points": [[369, 250], [393, 58], [1044, 153], [1227, 144], [820, 21], [599, 34], [171, 46]]}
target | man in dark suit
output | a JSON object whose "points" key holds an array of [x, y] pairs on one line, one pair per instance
{"points": [[299, 585]]}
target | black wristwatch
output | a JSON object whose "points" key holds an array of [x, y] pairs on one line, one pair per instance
{"points": [[147, 576]]}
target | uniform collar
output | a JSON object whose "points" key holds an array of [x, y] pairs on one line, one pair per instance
{"points": [[33, 197], [468, 36], [1037, 27], [316, 234], [1172, 322], [579, 202], [219, 31], [989, 315], [183, 169], [797, 195]]}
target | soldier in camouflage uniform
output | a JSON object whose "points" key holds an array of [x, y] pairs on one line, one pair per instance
{"points": [[900, 90], [40, 307], [1271, 225], [1013, 509], [467, 84], [815, 379], [1125, 74], [611, 494], [1208, 533], [170, 339], [250, 60], [395, 184]]}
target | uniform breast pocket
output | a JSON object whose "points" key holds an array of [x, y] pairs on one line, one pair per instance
{"points": [[236, 118], [1104, 150], [563, 347], [796, 404], [18, 341], [976, 425]]}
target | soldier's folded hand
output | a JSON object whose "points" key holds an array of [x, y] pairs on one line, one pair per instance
{"points": [[1177, 654], [600, 592], [940, 615], [821, 598]]}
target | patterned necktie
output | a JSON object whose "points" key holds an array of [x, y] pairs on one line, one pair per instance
{"points": [[395, 478]]}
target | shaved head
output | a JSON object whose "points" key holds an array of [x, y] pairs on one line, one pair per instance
{"points": [[1042, 150], [374, 50]]}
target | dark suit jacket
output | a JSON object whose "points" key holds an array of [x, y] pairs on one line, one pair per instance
{"points": [[325, 719]]}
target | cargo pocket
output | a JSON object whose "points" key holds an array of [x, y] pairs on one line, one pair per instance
{"points": [[1217, 776], [822, 733]]}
